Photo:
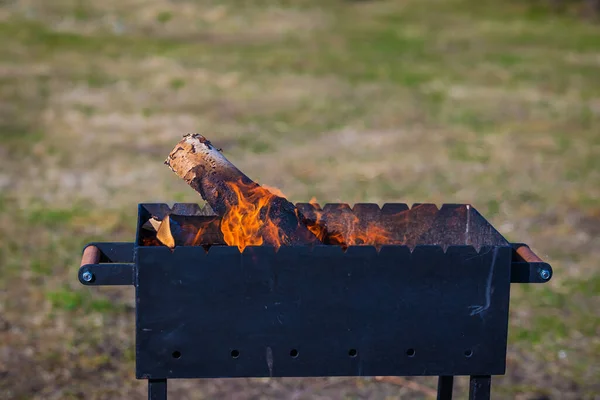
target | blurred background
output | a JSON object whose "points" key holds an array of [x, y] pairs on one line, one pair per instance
{"points": [[493, 103]]}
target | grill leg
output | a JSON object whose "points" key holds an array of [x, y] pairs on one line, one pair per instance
{"points": [[480, 387], [157, 389], [445, 385]]}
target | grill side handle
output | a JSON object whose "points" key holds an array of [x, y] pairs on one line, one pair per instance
{"points": [[527, 267], [107, 264]]}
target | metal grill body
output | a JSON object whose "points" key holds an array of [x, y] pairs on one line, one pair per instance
{"points": [[436, 306]]}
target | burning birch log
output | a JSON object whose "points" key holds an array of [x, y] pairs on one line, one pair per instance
{"points": [[251, 214]]}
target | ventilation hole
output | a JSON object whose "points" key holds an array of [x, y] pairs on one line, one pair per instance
{"points": [[352, 352], [235, 353], [293, 353], [176, 354], [468, 353], [410, 352]]}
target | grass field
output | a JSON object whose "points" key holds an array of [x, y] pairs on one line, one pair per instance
{"points": [[493, 103]]}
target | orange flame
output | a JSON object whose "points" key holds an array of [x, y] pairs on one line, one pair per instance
{"points": [[372, 235], [247, 222], [347, 230], [317, 228]]}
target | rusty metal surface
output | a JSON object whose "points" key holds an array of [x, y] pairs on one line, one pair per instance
{"points": [[91, 255], [527, 254], [527, 267]]}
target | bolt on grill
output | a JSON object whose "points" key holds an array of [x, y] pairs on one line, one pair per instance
{"points": [[430, 300]]}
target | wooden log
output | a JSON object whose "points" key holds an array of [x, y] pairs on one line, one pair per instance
{"points": [[251, 214], [181, 230]]}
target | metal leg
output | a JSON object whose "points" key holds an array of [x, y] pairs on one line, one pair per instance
{"points": [[157, 389], [480, 387], [445, 386]]}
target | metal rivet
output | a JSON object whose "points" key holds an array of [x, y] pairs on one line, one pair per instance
{"points": [[87, 276], [545, 274]]}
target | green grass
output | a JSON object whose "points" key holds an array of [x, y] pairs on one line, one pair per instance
{"points": [[68, 299], [458, 101]]}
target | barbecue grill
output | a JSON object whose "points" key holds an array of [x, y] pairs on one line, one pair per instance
{"points": [[435, 305]]}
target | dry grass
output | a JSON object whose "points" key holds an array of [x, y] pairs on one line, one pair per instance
{"points": [[417, 101]]}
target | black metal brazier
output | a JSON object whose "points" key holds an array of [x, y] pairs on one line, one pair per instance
{"points": [[437, 305]]}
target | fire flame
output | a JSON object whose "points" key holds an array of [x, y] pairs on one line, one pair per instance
{"points": [[247, 221], [373, 235], [346, 229], [317, 228]]}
